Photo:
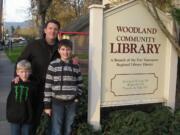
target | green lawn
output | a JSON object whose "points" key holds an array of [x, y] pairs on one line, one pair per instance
{"points": [[82, 55], [14, 53]]}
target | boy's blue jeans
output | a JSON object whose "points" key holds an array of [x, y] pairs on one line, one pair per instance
{"points": [[20, 129], [62, 118]]}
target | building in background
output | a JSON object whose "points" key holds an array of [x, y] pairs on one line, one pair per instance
{"points": [[78, 32]]}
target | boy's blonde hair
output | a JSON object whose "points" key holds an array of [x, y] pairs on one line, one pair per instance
{"points": [[23, 65]]}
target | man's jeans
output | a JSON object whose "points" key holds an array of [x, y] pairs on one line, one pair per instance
{"points": [[20, 129], [62, 118]]}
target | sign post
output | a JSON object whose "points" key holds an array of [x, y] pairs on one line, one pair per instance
{"points": [[95, 62]]}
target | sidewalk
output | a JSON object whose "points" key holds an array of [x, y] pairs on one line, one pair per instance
{"points": [[6, 74]]}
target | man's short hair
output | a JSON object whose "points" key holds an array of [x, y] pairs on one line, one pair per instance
{"points": [[52, 21], [23, 65], [65, 42]]}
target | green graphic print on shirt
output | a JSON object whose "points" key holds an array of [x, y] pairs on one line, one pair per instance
{"points": [[21, 93]]}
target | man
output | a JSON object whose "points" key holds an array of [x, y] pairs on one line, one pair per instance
{"points": [[40, 52]]}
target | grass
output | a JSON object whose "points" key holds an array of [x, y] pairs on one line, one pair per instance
{"points": [[14, 53], [82, 55]]}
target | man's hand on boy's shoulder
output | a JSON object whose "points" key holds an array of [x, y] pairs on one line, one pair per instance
{"points": [[75, 60]]}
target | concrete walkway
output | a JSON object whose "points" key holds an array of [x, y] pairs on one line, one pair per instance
{"points": [[6, 74]]}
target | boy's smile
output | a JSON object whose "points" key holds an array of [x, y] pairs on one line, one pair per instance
{"points": [[23, 74], [65, 53]]}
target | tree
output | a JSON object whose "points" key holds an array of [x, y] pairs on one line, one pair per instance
{"points": [[66, 10], [173, 39], [81, 6], [18, 28], [39, 9], [12, 30], [61, 12], [28, 33], [6, 31]]}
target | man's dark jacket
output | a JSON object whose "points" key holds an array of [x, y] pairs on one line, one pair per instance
{"points": [[39, 53]]}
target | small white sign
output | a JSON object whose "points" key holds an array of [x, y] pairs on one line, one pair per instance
{"points": [[134, 84]]}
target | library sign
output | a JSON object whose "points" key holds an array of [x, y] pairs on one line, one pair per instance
{"points": [[131, 61], [135, 55]]}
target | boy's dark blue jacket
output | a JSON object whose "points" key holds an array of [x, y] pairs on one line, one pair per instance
{"points": [[20, 103]]}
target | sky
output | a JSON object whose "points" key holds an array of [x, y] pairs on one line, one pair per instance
{"points": [[16, 10]]}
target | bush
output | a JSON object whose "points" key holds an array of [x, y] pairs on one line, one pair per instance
{"points": [[86, 129], [161, 118], [161, 121], [175, 126], [153, 120]]}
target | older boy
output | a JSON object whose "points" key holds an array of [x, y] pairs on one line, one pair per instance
{"points": [[20, 106], [62, 88]]}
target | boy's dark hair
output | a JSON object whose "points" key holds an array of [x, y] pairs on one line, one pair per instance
{"points": [[52, 21], [65, 42]]}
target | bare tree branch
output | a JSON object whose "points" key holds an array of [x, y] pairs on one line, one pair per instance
{"points": [[155, 15]]}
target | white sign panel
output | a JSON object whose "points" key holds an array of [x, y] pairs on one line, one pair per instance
{"points": [[136, 55]]}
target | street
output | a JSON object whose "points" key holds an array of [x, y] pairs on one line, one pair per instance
{"points": [[6, 74]]}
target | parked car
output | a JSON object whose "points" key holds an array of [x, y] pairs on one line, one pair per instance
{"points": [[23, 42], [17, 39]]}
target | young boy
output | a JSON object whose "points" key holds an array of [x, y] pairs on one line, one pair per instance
{"points": [[19, 109], [63, 87]]}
